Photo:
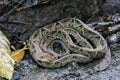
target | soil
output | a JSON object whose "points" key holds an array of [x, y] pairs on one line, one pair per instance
{"points": [[75, 71], [20, 25]]}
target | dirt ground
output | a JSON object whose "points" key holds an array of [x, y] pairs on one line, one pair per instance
{"points": [[76, 71]]}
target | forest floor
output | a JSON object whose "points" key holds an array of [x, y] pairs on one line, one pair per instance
{"points": [[74, 71], [35, 17]]}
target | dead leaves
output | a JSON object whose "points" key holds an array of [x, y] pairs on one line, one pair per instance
{"points": [[18, 55], [8, 58], [15, 56], [6, 62]]}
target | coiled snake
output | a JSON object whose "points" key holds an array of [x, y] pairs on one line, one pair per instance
{"points": [[65, 41]]}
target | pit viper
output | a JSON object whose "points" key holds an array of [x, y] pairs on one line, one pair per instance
{"points": [[65, 41]]}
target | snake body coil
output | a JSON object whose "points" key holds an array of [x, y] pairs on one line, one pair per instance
{"points": [[65, 41]]}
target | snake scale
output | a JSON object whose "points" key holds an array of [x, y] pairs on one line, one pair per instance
{"points": [[65, 41]]}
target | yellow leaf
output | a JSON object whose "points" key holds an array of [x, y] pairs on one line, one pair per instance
{"points": [[18, 55]]}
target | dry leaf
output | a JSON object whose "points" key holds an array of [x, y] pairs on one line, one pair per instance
{"points": [[6, 65], [6, 62], [18, 55]]}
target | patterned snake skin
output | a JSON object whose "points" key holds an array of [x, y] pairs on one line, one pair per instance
{"points": [[65, 41]]}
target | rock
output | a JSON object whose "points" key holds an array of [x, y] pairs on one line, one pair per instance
{"points": [[16, 75], [112, 38], [118, 67]]}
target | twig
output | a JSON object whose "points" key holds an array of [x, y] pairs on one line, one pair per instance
{"points": [[12, 10], [111, 30], [106, 28], [34, 5], [103, 25], [3, 3], [92, 16], [100, 25], [15, 22]]}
